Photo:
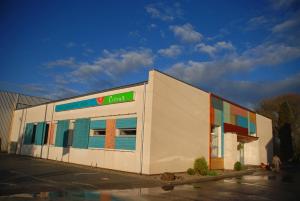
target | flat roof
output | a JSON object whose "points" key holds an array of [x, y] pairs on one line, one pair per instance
{"points": [[141, 83], [91, 93]]}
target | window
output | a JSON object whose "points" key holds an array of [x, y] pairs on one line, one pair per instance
{"points": [[98, 132], [98, 127], [128, 131], [33, 134]]}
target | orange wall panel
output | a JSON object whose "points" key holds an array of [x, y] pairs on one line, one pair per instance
{"points": [[110, 133], [217, 163], [252, 117], [238, 111]]}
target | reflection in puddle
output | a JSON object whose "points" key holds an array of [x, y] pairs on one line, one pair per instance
{"points": [[138, 193], [101, 195]]}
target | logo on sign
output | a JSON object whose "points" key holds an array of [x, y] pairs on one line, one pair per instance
{"points": [[100, 100]]}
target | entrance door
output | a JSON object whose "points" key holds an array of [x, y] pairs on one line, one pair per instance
{"points": [[241, 153]]}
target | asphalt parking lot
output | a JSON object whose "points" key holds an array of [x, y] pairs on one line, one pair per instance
{"points": [[20, 174]]}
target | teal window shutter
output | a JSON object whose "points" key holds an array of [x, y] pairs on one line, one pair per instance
{"points": [[81, 133], [40, 133], [126, 123], [28, 133], [96, 141], [98, 124], [125, 143], [61, 139]]}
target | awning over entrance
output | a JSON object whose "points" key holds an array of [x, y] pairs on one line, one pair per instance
{"points": [[242, 133]]}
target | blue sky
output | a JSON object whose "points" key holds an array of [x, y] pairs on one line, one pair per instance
{"points": [[242, 50]]}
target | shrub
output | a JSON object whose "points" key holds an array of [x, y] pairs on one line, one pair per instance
{"points": [[212, 173], [200, 166], [191, 171], [238, 166]]}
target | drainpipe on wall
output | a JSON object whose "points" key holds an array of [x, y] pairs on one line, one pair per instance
{"points": [[143, 129], [24, 127], [44, 128], [209, 133], [21, 121]]}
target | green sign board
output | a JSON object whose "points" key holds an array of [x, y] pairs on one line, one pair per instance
{"points": [[104, 100]]}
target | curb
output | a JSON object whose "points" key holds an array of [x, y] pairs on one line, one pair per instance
{"points": [[210, 178]]}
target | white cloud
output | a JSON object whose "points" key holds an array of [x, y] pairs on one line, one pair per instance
{"points": [[172, 51], [256, 21], [114, 63], [186, 33], [211, 72], [70, 45], [251, 92], [286, 25], [69, 62], [281, 4], [213, 49], [164, 12]]}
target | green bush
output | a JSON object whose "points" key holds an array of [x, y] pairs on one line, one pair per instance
{"points": [[191, 171], [238, 166], [200, 166], [212, 173]]}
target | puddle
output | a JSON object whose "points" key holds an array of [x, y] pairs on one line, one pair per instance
{"points": [[101, 195], [138, 193]]}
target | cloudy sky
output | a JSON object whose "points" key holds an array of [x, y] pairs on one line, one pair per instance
{"points": [[242, 50]]}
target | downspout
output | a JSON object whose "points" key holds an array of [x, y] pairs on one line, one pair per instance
{"points": [[20, 131], [143, 130], [44, 128], [209, 133], [24, 127]]}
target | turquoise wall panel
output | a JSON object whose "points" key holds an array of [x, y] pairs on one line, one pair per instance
{"points": [[252, 128], [218, 117], [28, 133], [61, 139], [98, 124], [96, 141], [226, 111], [124, 142], [126, 123], [242, 121], [81, 133], [77, 105], [40, 133], [217, 103]]}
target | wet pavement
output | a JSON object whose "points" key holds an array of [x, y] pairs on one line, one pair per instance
{"points": [[264, 185]]}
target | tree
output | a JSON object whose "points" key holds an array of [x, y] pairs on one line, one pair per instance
{"points": [[284, 111], [285, 120]]}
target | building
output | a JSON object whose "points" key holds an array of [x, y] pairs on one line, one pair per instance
{"points": [[8, 103], [161, 125]]}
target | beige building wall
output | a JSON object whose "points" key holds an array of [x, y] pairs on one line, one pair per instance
{"points": [[179, 124], [264, 132], [251, 153], [123, 160], [230, 150]]}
